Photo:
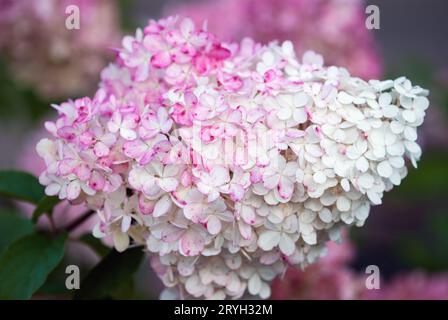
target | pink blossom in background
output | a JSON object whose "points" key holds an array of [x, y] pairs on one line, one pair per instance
{"points": [[51, 59], [334, 28], [412, 286], [330, 278]]}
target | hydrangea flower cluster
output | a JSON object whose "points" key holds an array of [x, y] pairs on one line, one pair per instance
{"points": [[229, 162], [334, 28], [44, 54], [63, 213]]}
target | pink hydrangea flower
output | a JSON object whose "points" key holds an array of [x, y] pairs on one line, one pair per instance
{"points": [[333, 28], [53, 60], [64, 212], [226, 182], [412, 286]]}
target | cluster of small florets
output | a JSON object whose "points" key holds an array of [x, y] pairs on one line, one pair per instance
{"points": [[229, 162], [334, 28]]}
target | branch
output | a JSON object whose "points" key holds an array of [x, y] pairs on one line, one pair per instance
{"points": [[79, 221]]}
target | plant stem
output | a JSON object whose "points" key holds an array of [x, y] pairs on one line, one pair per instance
{"points": [[78, 221]]}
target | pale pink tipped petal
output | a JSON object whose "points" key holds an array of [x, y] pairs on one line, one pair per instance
{"points": [[213, 225], [285, 188], [191, 243], [194, 212], [161, 59], [101, 149], [97, 181], [134, 149], [163, 206], [168, 184]]}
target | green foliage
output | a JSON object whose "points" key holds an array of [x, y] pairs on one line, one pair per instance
{"points": [[430, 179], [111, 274], [16, 100], [20, 185], [420, 251], [45, 205], [128, 24], [26, 264], [12, 227]]}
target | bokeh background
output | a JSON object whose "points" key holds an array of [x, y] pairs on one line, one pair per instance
{"points": [[407, 237]]}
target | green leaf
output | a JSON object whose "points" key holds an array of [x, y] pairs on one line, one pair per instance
{"points": [[110, 273], [27, 262], [95, 244], [21, 185], [432, 171], [45, 205], [12, 227]]}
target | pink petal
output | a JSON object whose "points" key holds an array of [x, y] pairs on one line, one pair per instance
{"points": [[134, 149], [145, 205], [97, 181], [171, 233], [213, 225], [245, 230], [248, 215], [101, 149], [161, 59], [194, 212], [285, 188], [191, 243]]}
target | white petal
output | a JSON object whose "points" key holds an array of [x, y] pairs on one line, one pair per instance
{"points": [[366, 181], [343, 204], [286, 245], [268, 240], [325, 215], [163, 206], [284, 113], [319, 177], [384, 169], [213, 225], [52, 189], [300, 115], [254, 284], [362, 164], [73, 190], [300, 99], [311, 238]]}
